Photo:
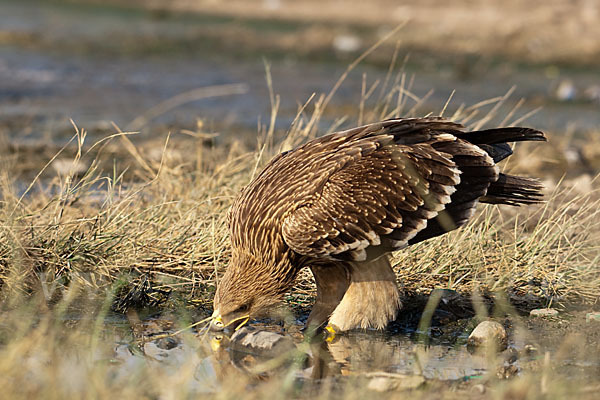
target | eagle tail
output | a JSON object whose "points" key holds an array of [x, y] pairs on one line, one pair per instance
{"points": [[513, 190], [503, 135], [508, 189], [495, 141]]}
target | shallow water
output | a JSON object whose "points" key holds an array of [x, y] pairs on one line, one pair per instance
{"points": [[361, 354]]}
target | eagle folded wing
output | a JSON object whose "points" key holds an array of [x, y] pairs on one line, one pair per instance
{"points": [[380, 197]]}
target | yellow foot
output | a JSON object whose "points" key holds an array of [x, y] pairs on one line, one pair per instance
{"points": [[330, 333]]}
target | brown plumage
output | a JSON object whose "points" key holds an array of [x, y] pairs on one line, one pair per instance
{"points": [[341, 203]]}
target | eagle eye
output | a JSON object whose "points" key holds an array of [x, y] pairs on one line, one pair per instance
{"points": [[243, 308]]}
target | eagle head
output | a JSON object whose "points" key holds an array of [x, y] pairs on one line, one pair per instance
{"points": [[249, 288]]}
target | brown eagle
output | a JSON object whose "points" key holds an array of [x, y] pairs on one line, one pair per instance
{"points": [[339, 204]]}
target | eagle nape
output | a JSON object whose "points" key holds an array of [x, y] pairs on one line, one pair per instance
{"points": [[341, 203]]}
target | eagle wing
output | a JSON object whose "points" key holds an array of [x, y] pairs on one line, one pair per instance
{"points": [[391, 180]]}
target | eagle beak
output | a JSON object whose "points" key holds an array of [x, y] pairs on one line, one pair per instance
{"points": [[217, 324], [244, 319]]}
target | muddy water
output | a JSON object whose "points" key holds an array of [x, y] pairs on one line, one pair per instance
{"points": [[51, 71]]}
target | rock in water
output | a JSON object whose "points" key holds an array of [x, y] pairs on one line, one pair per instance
{"points": [[383, 381], [487, 334], [262, 343], [479, 388], [543, 312], [592, 317]]}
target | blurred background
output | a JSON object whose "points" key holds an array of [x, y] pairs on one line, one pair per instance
{"points": [[158, 66]]}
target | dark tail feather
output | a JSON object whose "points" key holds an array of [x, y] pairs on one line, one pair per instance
{"points": [[475, 180], [503, 135], [494, 141], [498, 152], [513, 190]]}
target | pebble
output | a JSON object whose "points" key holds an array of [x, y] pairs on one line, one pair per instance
{"points": [[384, 381], [262, 342], [154, 351], [167, 343], [347, 43], [510, 355], [566, 90], [507, 371], [479, 388], [530, 349], [543, 312], [592, 93], [592, 317], [488, 333]]}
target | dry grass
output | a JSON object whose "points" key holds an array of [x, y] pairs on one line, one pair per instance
{"points": [[549, 253], [110, 210]]}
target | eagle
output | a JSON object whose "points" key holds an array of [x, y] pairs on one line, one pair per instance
{"points": [[341, 203]]}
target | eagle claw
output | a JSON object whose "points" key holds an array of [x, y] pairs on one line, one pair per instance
{"points": [[330, 333]]}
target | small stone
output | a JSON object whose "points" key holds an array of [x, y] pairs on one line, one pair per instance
{"points": [[507, 371], [152, 350], [510, 355], [347, 43], [262, 342], [592, 93], [592, 317], [479, 388], [167, 343], [383, 381], [566, 91], [530, 349], [488, 333], [574, 156], [543, 312]]}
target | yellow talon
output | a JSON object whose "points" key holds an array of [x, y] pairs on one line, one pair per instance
{"points": [[330, 333]]}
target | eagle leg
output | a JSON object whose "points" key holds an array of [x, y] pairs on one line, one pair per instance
{"points": [[332, 281], [372, 299]]}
